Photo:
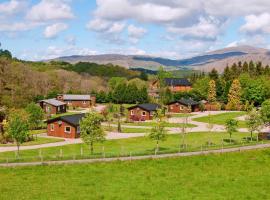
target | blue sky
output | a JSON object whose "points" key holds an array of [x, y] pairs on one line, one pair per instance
{"points": [[44, 29]]}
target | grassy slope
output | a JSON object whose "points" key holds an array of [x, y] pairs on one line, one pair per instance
{"points": [[39, 140], [238, 176], [137, 146], [221, 118]]}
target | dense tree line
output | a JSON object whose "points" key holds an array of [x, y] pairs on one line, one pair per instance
{"points": [[123, 91]]}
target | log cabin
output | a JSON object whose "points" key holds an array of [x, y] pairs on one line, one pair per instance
{"points": [[174, 84], [65, 126], [76, 100], [53, 106], [142, 112], [184, 106]]}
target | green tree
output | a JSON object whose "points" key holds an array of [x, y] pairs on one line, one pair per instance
{"points": [[143, 76], [91, 130], [213, 75], [201, 86], [254, 122], [158, 132], [212, 92], [115, 81], [234, 96], [18, 127], [35, 114], [265, 112], [231, 127]]}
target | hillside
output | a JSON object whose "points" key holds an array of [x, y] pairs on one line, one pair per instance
{"points": [[218, 59]]}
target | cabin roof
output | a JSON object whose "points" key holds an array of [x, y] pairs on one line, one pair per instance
{"points": [[146, 106], [73, 120], [53, 102]]}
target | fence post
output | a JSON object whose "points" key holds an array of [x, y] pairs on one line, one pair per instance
{"points": [[40, 155], [81, 151], [61, 153], [103, 151]]}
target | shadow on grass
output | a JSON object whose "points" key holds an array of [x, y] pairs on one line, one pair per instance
{"points": [[230, 141]]}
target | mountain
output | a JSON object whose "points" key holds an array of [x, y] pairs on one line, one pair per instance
{"points": [[218, 59]]}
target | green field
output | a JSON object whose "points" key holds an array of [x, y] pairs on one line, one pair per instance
{"points": [[127, 130], [220, 119], [38, 140], [180, 115], [241, 176], [151, 124], [134, 146]]}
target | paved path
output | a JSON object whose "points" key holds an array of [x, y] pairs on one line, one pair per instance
{"points": [[218, 151]]}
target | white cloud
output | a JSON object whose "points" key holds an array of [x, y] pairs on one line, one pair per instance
{"points": [[50, 10], [98, 25], [116, 28], [135, 33], [257, 24], [53, 30], [206, 29], [71, 40], [12, 7]]}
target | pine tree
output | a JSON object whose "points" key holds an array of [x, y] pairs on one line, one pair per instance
{"points": [[234, 96], [227, 73], [251, 68], [245, 67], [212, 91], [213, 74]]}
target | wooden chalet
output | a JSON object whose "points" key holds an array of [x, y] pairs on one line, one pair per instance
{"points": [[53, 106], [142, 112], [184, 106], [65, 126]]}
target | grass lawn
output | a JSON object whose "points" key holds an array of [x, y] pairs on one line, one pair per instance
{"points": [[136, 146], [64, 114], [220, 119], [127, 130], [36, 132], [38, 140], [239, 175], [151, 124], [181, 115]]}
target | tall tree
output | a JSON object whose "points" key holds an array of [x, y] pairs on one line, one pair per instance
{"points": [[213, 74], [254, 122], [158, 132], [35, 114], [231, 127], [18, 127], [265, 112], [234, 96], [91, 130], [212, 92]]}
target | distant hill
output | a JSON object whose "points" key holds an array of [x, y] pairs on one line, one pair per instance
{"points": [[218, 59]]}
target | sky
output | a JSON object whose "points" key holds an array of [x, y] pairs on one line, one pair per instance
{"points": [[45, 29]]}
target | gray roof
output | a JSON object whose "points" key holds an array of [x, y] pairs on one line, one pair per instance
{"points": [[147, 106], [70, 119], [53, 102], [186, 102], [177, 82], [76, 97]]}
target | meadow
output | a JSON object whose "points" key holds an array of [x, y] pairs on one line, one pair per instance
{"points": [[133, 146], [220, 119], [240, 175]]}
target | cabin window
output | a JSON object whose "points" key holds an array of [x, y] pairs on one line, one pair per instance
{"points": [[67, 129], [181, 107], [151, 113], [132, 112], [84, 102], [52, 127], [143, 113]]}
